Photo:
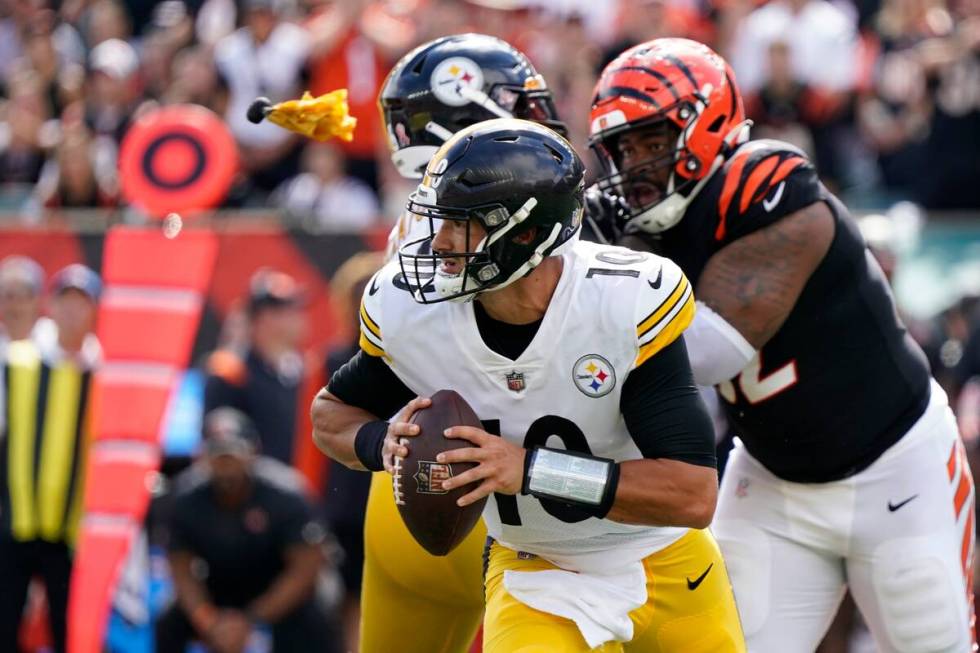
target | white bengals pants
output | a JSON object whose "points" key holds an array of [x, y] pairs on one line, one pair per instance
{"points": [[899, 534]]}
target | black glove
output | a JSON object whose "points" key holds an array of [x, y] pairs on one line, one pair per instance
{"points": [[605, 216]]}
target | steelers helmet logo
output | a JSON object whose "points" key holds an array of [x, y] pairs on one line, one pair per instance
{"points": [[453, 75], [594, 376]]}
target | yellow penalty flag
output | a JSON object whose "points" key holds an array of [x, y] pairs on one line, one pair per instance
{"points": [[319, 118]]}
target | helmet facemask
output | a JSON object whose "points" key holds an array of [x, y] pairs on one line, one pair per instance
{"points": [[433, 276], [654, 189]]}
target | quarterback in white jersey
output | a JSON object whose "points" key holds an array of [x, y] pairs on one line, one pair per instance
{"points": [[432, 92], [566, 384], [573, 354]]}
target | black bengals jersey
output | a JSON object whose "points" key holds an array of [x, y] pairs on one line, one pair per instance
{"points": [[842, 380]]}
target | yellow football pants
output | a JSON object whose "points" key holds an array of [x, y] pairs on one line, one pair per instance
{"points": [[675, 619], [411, 601]]}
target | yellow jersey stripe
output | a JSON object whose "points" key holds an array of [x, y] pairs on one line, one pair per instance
{"points": [[369, 347], [86, 419], [57, 450], [671, 331], [23, 384], [369, 323], [654, 318]]}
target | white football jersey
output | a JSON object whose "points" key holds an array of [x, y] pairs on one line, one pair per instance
{"points": [[613, 308]]}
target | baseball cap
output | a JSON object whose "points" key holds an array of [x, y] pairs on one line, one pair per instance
{"points": [[77, 277], [269, 288], [228, 431], [115, 58], [22, 269]]}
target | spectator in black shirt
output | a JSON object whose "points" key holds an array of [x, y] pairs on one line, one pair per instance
{"points": [[264, 380], [244, 550]]}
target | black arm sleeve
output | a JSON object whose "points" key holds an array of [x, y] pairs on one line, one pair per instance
{"points": [[367, 382], [664, 412]]}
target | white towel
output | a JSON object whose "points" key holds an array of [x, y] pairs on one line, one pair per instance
{"points": [[598, 603]]}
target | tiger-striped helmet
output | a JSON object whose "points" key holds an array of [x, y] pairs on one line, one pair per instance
{"points": [[678, 85]]}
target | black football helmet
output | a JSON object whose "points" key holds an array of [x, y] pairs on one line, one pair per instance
{"points": [[515, 178], [453, 82]]}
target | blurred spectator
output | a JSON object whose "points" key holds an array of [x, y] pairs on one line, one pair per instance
{"points": [[71, 179], [944, 339], [822, 41], [41, 480], [25, 130], [195, 80], [968, 411], [925, 102], [784, 106], [106, 20], [20, 21], [442, 17], [966, 380], [823, 56], [638, 21], [265, 57], [114, 88], [343, 55], [345, 501], [215, 20], [561, 51], [21, 289], [245, 552], [61, 75], [75, 292], [170, 30], [148, 16], [264, 379], [323, 197], [877, 231]]}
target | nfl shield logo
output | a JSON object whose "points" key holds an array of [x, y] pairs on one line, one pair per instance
{"points": [[431, 476], [515, 381]]}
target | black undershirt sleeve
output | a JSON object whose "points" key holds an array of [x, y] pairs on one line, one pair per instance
{"points": [[367, 382], [664, 412]]}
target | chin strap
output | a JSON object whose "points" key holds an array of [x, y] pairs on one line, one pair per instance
{"points": [[738, 134], [671, 210], [490, 271], [534, 261]]}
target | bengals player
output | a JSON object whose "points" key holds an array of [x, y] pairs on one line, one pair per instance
{"points": [[848, 470]]}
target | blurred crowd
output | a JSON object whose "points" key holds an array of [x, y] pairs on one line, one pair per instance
{"points": [[870, 88]]}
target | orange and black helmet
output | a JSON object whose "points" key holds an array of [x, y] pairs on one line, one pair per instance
{"points": [[675, 84]]}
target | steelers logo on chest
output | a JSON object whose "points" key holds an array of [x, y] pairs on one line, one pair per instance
{"points": [[451, 77], [594, 376]]}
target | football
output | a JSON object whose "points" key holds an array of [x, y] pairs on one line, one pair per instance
{"points": [[429, 512]]}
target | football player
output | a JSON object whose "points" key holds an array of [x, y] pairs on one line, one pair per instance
{"points": [[453, 82], [849, 470], [432, 92], [572, 356]]}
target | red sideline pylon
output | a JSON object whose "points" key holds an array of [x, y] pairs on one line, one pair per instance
{"points": [[155, 288]]}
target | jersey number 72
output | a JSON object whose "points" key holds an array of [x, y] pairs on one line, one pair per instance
{"points": [[757, 388]]}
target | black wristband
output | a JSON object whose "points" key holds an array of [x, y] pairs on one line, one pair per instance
{"points": [[368, 442]]}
